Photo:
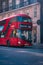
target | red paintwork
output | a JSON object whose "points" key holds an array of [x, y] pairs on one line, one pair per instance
{"points": [[2, 41], [14, 41], [6, 24]]}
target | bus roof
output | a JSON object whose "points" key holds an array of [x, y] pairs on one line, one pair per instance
{"points": [[24, 15]]}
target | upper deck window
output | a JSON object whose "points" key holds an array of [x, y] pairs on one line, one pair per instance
{"points": [[20, 19], [2, 22], [23, 19], [14, 19]]}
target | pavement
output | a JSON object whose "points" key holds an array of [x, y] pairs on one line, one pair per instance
{"points": [[38, 45]]}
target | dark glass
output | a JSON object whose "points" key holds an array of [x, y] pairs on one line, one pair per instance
{"points": [[23, 19], [20, 19], [23, 34], [33, 1], [2, 22]]}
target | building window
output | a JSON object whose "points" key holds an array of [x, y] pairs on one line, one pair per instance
{"points": [[17, 3], [25, 2], [10, 4], [21, 3], [33, 1], [13, 4], [35, 11], [3, 6]]}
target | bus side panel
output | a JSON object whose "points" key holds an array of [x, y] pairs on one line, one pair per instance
{"points": [[2, 41], [13, 41]]}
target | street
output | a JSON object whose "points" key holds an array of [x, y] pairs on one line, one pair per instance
{"points": [[20, 56]]}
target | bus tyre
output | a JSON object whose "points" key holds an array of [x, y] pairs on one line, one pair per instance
{"points": [[22, 46], [8, 43]]}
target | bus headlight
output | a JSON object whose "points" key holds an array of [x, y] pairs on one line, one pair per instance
{"points": [[19, 42]]}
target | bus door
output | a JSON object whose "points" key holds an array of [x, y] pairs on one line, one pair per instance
{"points": [[24, 36], [13, 39]]}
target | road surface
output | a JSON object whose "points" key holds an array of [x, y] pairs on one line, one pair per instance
{"points": [[20, 56]]}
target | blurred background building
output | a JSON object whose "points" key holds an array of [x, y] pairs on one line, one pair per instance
{"points": [[33, 8]]}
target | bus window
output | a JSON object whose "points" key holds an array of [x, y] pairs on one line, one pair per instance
{"points": [[23, 19], [2, 22], [18, 34], [30, 35], [14, 19], [29, 20], [13, 33], [23, 34], [19, 18]]}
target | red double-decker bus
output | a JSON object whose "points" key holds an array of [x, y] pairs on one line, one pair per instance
{"points": [[16, 31]]}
